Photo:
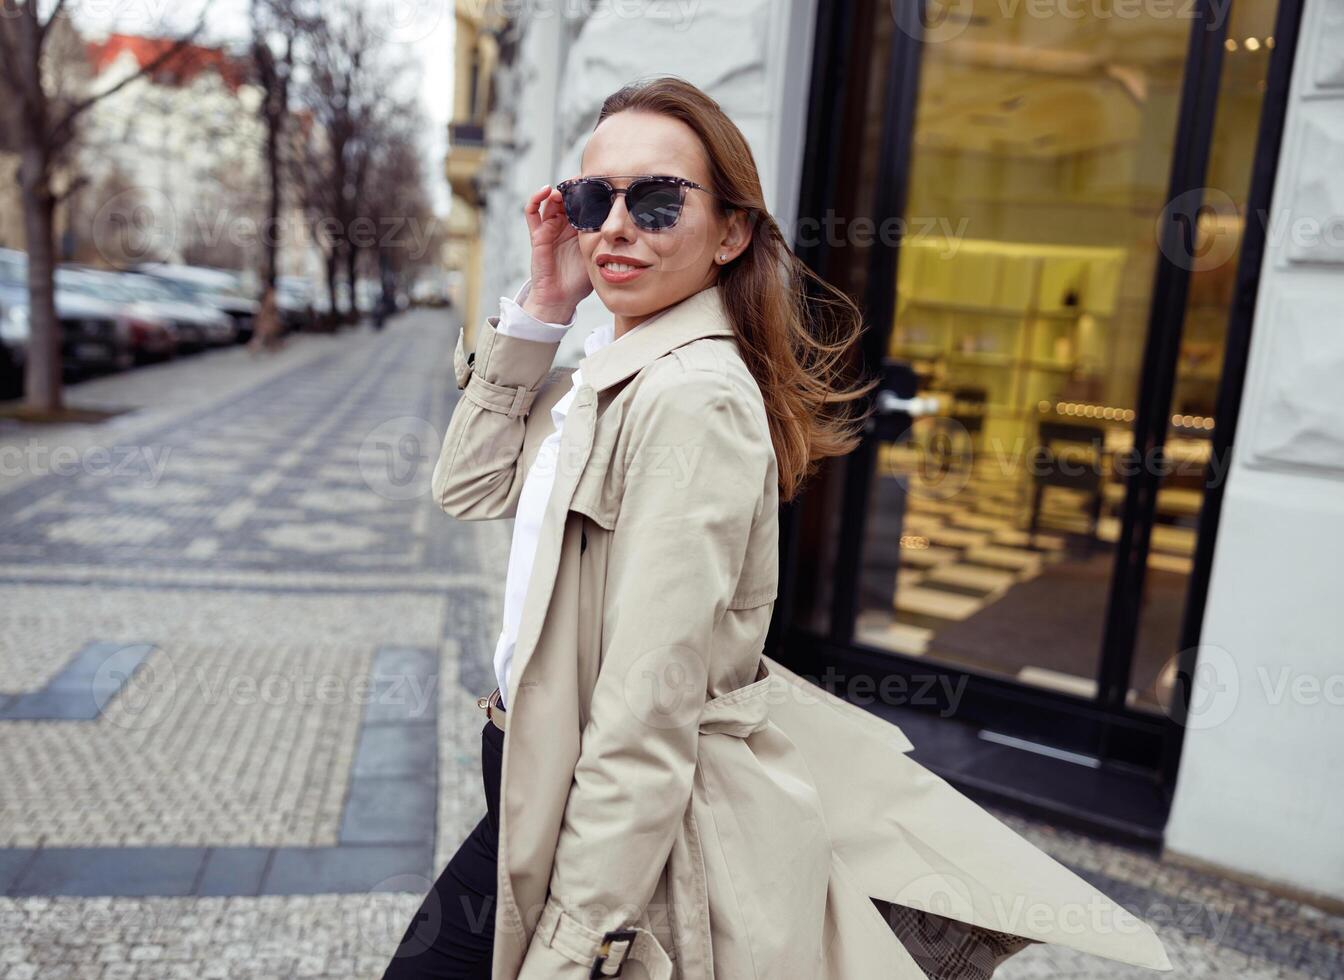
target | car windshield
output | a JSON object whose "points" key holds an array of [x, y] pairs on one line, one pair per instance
{"points": [[146, 289], [180, 290], [92, 284], [216, 282], [13, 267]]}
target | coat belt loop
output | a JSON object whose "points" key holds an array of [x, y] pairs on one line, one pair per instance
{"points": [[522, 399], [741, 712]]}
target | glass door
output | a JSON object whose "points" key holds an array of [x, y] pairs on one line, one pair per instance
{"points": [[1035, 526]]}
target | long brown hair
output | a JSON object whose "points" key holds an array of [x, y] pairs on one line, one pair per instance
{"points": [[794, 344]]}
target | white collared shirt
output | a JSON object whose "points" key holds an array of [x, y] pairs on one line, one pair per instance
{"points": [[515, 322]]}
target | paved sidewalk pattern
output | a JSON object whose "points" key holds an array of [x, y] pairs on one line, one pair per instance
{"points": [[239, 654]]}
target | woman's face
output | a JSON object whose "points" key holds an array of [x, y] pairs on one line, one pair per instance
{"points": [[674, 262]]}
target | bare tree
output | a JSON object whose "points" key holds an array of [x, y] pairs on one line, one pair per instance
{"points": [[44, 116], [278, 29], [396, 202], [348, 86]]}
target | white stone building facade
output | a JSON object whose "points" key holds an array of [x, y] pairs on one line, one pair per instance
{"points": [[752, 56], [1258, 791]]}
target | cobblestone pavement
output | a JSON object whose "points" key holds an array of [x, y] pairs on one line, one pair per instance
{"points": [[239, 651]]}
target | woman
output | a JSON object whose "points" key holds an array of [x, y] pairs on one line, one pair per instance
{"points": [[663, 799]]}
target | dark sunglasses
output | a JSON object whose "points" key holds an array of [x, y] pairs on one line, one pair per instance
{"points": [[654, 201]]}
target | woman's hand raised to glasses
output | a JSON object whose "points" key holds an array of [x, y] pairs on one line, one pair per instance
{"points": [[559, 277]]}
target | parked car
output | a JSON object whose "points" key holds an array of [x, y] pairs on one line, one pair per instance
{"points": [[221, 330], [13, 266], [294, 301], [103, 326], [221, 288], [144, 302], [198, 324], [322, 299], [429, 292], [368, 295], [94, 335], [13, 322]]}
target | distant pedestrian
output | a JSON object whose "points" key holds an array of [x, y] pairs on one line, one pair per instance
{"points": [[266, 330]]}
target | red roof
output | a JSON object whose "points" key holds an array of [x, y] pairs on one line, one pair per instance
{"points": [[183, 67]]}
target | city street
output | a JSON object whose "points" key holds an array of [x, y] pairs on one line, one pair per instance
{"points": [[239, 654]]}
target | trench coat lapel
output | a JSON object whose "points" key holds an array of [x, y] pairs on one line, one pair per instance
{"points": [[701, 314]]}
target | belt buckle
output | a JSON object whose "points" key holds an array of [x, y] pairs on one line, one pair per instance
{"points": [[487, 703], [604, 951]]}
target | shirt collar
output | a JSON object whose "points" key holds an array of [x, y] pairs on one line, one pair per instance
{"points": [[702, 314], [599, 338]]}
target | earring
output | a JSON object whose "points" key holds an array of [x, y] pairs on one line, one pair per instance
{"points": [[723, 258]]}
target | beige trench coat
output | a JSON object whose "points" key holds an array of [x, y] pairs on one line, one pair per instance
{"points": [[673, 803]]}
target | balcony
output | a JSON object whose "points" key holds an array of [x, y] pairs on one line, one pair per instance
{"points": [[466, 134]]}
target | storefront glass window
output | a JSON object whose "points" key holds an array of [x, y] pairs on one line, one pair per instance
{"points": [[1042, 150]]}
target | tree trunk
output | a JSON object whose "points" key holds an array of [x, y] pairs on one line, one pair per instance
{"points": [[275, 109], [351, 262], [387, 280], [333, 312], [42, 381], [271, 240]]}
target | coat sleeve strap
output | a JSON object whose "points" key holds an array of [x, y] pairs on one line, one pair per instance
{"points": [[500, 394], [462, 360], [603, 955]]}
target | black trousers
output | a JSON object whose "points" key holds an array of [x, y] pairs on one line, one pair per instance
{"points": [[453, 933]]}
